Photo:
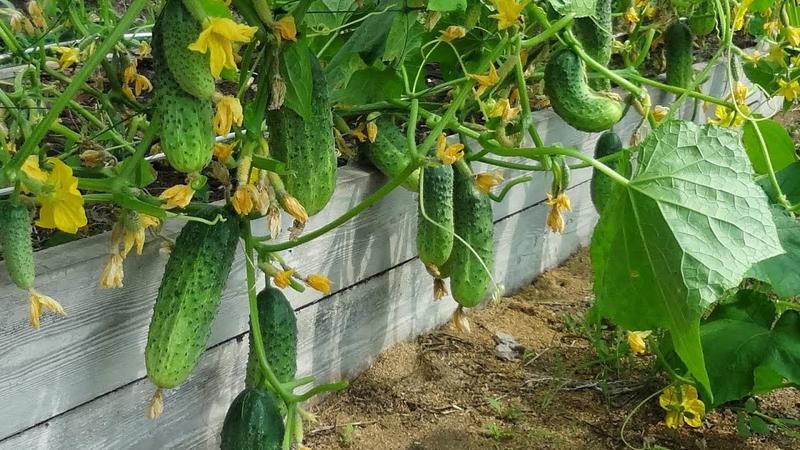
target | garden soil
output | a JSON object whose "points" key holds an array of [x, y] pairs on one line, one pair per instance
{"points": [[437, 392]]}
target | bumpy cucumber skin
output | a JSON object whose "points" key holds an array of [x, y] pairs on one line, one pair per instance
{"points": [[469, 281], [435, 244], [572, 98], [307, 147], [188, 297], [389, 153], [601, 185], [678, 52], [190, 69], [279, 334], [187, 138], [595, 35], [15, 241], [253, 422]]}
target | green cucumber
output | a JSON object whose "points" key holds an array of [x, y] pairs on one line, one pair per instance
{"points": [[434, 244], [602, 186], [571, 97], [389, 152], [15, 242], [595, 35], [279, 335], [191, 70], [189, 295], [187, 137], [678, 52], [307, 147], [253, 422], [473, 222]]}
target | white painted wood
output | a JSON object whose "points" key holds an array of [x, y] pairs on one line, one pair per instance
{"points": [[99, 346], [339, 337]]}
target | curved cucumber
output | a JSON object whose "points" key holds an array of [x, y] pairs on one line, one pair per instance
{"points": [[279, 335], [253, 422], [389, 152], [188, 297], [15, 242], [572, 98], [678, 49], [469, 281], [435, 244]]}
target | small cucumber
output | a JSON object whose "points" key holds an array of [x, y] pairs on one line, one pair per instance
{"points": [[434, 244], [279, 335], [15, 242], [389, 152], [678, 50], [571, 97], [188, 297], [191, 70], [473, 222], [601, 185], [253, 422]]}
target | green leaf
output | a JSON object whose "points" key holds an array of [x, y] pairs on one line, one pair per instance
{"points": [[581, 8], [215, 8], [781, 271], [761, 5], [368, 86], [743, 424], [778, 142], [142, 176], [447, 5], [405, 37], [758, 425], [688, 226], [785, 347], [763, 73], [788, 180], [369, 39], [296, 72]]}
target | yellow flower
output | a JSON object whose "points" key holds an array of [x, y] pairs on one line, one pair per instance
{"points": [[776, 54], [113, 273], [242, 199], [372, 131], [504, 111], [448, 153], [285, 28], [439, 289], [37, 15], [129, 74], [144, 49], [772, 28], [31, 169], [452, 33], [488, 180], [755, 56], [217, 38], [631, 16], [793, 35], [126, 89], [660, 113], [61, 202], [739, 13], [740, 93], [636, 341], [558, 204], [224, 151], [508, 12], [135, 226], [177, 196], [319, 283], [141, 84], [261, 200], [283, 278], [682, 406], [19, 22], [293, 207], [360, 133], [727, 117], [68, 56], [39, 301], [485, 81], [790, 90], [229, 112]]}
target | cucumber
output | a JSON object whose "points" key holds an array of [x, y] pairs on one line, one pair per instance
{"points": [[572, 98], [253, 422], [279, 334], [15, 242], [307, 147], [595, 35], [472, 221], [188, 297], [187, 137], [191, 70], [678, 50], [601, 185], [389, 152], [435, 244]]}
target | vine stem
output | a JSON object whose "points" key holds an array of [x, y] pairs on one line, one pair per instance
{"points": [[41, 129], [678, 90], [538, 152], [605, 71]]}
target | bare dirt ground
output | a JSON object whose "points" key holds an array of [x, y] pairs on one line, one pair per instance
{"points": [[438, 392]]}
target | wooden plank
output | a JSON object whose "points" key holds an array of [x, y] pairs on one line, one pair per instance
{"points": [[339, 337]]}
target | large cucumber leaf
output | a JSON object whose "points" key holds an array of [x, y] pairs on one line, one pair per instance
{"points": [[686, 229], [781, 271]]}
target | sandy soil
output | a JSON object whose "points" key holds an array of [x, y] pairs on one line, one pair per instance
{"points": [[435, 393]]}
